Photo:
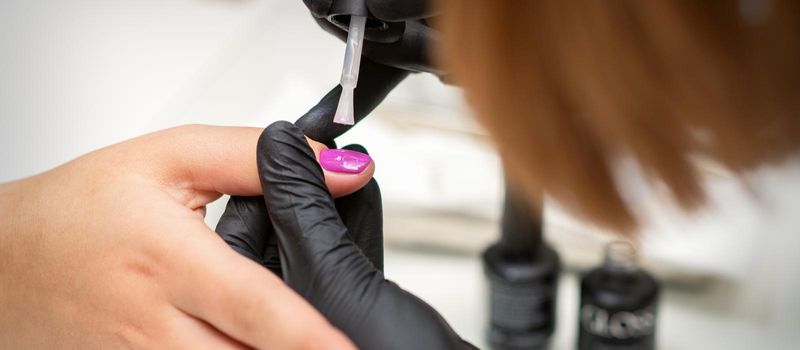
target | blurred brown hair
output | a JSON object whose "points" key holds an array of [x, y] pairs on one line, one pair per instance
{"points": [[566, 87]]}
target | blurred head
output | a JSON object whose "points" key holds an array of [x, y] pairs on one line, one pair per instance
{"points": [[567, 88]]}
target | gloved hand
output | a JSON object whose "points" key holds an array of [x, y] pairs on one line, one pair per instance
{"points": [[330, 250], [407, 48], [389, 56]]}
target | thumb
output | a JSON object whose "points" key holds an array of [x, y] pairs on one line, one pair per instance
{"points": [[243, 300]]}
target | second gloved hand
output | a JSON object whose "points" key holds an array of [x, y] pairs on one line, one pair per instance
{"points": [[331, 250], [386, 62], [407, 50]]}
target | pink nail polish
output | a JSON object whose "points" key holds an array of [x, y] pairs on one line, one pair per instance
{"points": [[344, 161]]}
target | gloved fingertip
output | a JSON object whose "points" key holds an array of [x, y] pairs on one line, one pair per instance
{"points": [[318, 123], [330, 144], [284, 155], [356, 147], [288, 163]]}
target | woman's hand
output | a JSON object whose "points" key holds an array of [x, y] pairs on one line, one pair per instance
{"points": [[111, 251]]}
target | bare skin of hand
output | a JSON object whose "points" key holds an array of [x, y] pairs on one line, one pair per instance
{"points": [[110, 251]]}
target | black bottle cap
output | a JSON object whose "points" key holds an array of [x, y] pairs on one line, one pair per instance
{"points": [[619, 303], [500, 268]]}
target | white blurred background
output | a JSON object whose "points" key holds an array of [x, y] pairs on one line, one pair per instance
{"points": [[79, 75]]}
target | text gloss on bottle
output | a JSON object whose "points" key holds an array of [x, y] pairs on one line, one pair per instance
{"points": [[618, 308]]}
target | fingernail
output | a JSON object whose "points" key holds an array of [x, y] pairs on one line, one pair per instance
{"points": [[344, 161]]}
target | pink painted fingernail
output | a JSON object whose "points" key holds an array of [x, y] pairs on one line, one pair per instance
{"points": [[344, 161]]}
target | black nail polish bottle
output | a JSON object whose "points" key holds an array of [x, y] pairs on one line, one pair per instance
{"points": [[618, 303], [523, 279]]}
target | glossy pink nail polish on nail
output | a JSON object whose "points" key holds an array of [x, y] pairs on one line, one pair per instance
{"points": [[344, 161]]}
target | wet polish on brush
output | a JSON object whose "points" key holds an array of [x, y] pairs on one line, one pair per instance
{"points": [[344, 161]]}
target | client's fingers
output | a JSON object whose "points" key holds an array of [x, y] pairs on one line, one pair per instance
{"points": [[202, 158], [187, 332], [203, 161], [244, 300]]}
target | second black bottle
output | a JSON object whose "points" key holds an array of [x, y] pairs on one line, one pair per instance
{"points": [[618, 306]]}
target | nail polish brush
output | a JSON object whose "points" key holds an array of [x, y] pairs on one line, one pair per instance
{"points": [[352, 61]]}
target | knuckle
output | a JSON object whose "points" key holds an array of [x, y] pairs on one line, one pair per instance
{"points": [[279, 130]]}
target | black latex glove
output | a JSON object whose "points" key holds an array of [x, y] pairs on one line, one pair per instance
{"points": [[387, 60], [246, 227], [407, 48], [375, 81], [330, 251]]}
